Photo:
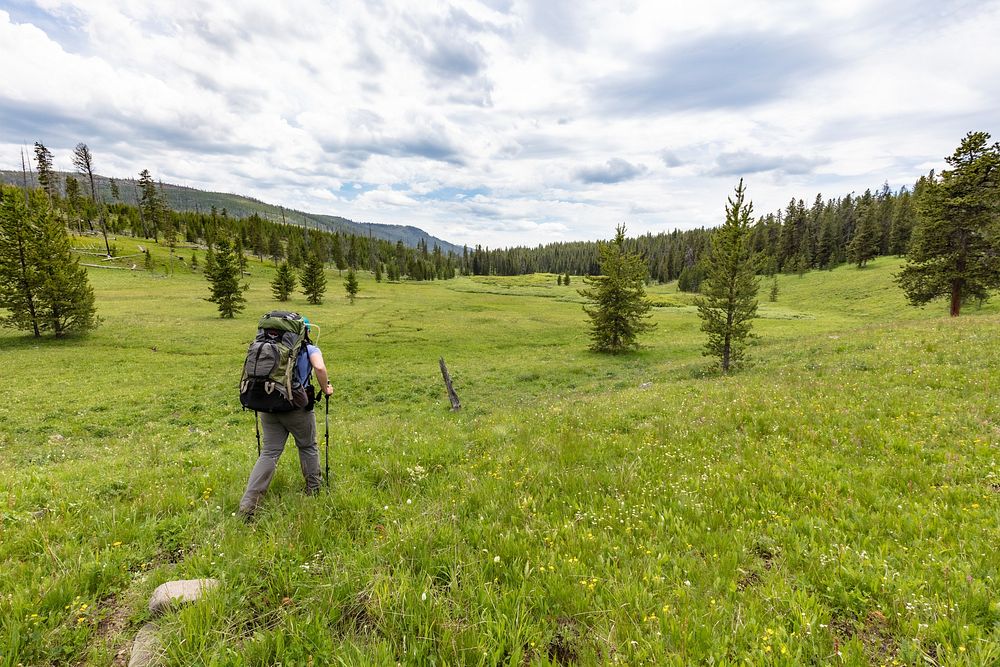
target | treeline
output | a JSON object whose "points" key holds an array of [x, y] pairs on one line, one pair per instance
{"points": [[798, 238], [823, 235], [148, 216]]}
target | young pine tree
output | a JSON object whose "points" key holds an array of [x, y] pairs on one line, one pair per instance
{"points": [[955, 248], [774, 289], [865, 244], [284, 282], [20, 278], [566, 279], [65, 299], [224, 278], [42, 286], [73, 204], [729, 301], [351, 285], [47, 177], [558, 279], [618, 307], [151, 207], [314, 280]]}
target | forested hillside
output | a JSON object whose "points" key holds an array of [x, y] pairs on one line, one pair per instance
{"points": [[193, 200]]}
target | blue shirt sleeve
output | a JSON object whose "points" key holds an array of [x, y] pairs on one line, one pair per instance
{"points": [[303, 369]]}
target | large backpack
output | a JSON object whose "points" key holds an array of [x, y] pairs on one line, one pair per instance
{"points": [[268, 383]]}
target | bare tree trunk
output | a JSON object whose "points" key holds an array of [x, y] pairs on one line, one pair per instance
{"points": [[100, 210], [956, 297], [23, 260]]}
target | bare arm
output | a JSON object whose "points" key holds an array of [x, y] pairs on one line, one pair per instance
{"points": [[316, 359]]}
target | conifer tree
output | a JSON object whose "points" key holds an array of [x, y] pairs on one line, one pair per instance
{"points": [[284, 282], [47, 177], [865, 244], [241, 255], [314, 280], [224, 278], [566, 279], [558, 279], [20, 278], [955, 248], [274, 248], [378, 272], [65, 299], [42, 286], [729, 303], [73, 202], [902, 224], [150, 207], [618, 307], [351, 285], [691, 278], [774, 289]]}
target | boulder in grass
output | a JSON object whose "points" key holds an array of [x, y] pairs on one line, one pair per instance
{"points": [[183, 590], [146, 647]]}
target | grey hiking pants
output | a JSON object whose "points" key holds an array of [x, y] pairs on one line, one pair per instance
{"points": [[275, 428]]}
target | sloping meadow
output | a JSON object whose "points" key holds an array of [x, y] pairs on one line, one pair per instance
{"points": [[841, 496]]}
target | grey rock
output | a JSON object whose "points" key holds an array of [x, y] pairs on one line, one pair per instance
{"points": [[146, 648], [183, 590]]}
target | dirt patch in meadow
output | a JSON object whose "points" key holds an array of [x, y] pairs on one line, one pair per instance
{"points": [[114, 614], [747, 580], [766, 554], [872, 631], [567, 638]]}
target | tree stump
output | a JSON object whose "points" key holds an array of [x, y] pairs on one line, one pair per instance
{"points": [[452, 396]]}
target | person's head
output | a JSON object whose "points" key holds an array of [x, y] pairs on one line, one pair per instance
{"points": [[306, 320]]}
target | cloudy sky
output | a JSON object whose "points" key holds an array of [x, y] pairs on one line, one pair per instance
{"points": [[504, 122]]}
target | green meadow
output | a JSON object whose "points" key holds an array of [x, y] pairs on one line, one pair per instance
{"points": [[837, 502]]}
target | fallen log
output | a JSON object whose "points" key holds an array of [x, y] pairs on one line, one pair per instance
{"points": [[105, 266]]}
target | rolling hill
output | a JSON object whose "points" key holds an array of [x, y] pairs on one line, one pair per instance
{"points": [[182, 198]]}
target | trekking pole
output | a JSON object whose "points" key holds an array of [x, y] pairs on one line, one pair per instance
{"points": [[256, 422], [327, 397]]}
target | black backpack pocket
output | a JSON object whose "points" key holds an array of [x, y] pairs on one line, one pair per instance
{"points": [[263, 396]]}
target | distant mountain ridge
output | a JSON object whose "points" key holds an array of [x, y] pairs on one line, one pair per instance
{"points": [[183, 198]]}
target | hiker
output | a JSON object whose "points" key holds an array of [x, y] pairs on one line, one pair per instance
{"points": [[278, 422]]}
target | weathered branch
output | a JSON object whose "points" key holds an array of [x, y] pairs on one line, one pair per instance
{"points": [[452, 396]]}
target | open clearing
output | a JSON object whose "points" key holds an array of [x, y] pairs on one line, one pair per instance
{"points": [[841, 496]]}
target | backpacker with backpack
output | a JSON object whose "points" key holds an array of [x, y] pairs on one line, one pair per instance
{"points": [[269, 382]]}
